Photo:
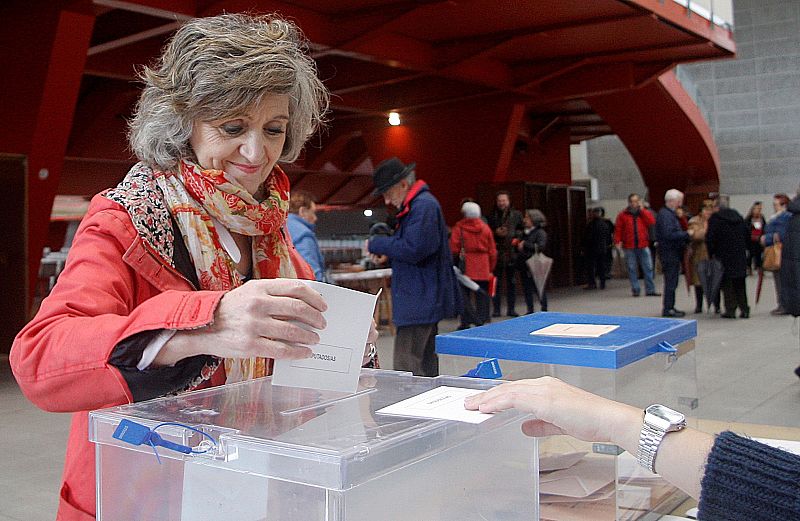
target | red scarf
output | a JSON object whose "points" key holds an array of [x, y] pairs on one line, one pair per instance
{"points": [[194, 196], [405, 207]]}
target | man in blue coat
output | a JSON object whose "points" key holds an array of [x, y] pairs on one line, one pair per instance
{"points": [[424, 288], [671, 243]]}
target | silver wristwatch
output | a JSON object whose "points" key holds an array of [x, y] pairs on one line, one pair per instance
{"points": [[658, 421]]}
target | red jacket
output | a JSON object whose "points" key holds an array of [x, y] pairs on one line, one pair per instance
{"points": [[477, 240], [623, 228], [60, 359]]}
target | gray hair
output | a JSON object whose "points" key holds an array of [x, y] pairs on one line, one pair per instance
{"points": [[218, 67], [537, 217], [672, 195], [411, 177]]}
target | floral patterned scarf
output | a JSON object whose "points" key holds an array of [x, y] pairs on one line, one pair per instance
{"points": [[193, 197]]}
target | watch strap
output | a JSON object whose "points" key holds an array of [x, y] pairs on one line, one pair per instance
{"points": [[649, 441]]}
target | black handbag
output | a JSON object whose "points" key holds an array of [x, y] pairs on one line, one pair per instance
{"points": [[462, 255]]}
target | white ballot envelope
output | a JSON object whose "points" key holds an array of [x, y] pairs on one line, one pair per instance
{"points": [[441, 403], [575, 330], [335, 364]]}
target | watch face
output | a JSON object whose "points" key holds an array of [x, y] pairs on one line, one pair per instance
{"points": [[664, 418]]}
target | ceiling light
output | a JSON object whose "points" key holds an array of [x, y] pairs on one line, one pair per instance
{"points": [[394, 119]]}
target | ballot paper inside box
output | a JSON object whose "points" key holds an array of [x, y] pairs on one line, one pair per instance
{"points": [[577, 483], [293, 454]]}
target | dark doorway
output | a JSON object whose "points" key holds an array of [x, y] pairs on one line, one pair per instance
{"points": [[13, 250]]}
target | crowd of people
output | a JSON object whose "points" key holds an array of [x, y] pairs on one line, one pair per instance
{"points": [[493, 251], [716, 249]]}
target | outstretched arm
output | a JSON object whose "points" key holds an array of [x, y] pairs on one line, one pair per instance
{"points": [[560, 408]]}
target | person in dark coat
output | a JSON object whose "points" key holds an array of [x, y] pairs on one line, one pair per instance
{"points": [[534, 240], [506, 223], [790, 263], [757, 223], [671, 242], [424, 287], [773, 233], [726, 240], [610, 249], [597, 243]]}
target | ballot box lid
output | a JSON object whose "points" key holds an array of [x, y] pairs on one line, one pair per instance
{"points": [[633, 339]]}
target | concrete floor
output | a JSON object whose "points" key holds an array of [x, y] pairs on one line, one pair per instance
{"points": [[744, 367]]}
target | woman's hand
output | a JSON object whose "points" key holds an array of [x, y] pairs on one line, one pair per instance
{"points": [[560, 408], [255, 319]]}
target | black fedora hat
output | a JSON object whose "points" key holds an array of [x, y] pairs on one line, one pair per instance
{"points": [[390, 172]]}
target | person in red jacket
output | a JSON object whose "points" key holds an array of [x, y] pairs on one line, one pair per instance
{"points": [[631, 232], [472, 243], [167, 284]]}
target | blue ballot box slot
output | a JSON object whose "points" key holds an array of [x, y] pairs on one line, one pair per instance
{"points": [[635, 338]]}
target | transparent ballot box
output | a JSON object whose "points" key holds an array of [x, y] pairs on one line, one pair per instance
{"points": [[291, 454], [636, 360]]}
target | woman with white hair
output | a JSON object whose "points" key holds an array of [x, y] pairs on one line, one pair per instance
{"points": [[181, 276], [472, 244]]}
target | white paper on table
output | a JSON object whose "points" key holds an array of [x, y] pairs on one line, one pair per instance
{"points": [[441, 403], [787, 445], [575, 330], [335, 364]]}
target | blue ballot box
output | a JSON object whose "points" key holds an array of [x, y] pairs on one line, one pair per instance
{"points": [[635, 360], [253, 451], [638, 360]]}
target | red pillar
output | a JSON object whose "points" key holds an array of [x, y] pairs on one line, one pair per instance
{"points": [[44, 51]]}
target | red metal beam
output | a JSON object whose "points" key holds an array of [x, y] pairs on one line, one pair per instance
{"points": [[133, 38], [53, 122], [509, 141], [667, 111], [691, 23], [395, 50], [377, 84], [317, 27], [526, 79], [170, 9], [482, 45], [589, 80]]}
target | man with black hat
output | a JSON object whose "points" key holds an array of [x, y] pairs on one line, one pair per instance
{"points": [[424, 288]]}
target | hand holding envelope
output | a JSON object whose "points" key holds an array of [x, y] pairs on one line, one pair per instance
{"points": [[335, 362]]}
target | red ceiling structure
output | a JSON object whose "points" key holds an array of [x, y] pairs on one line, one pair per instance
{"points": [[487, 90]]}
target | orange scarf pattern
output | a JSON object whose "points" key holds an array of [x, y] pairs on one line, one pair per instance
{"points": [[193, 197]]}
